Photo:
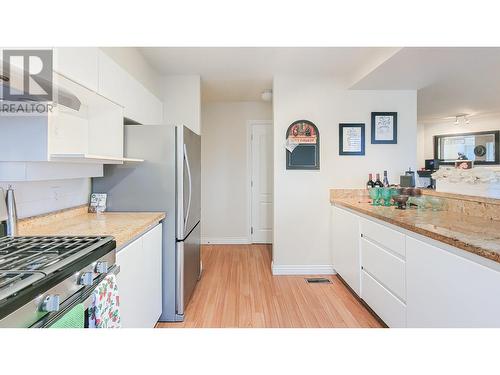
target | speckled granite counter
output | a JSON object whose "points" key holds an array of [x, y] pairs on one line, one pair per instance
{"points": [[123, 226], [473, 234]]}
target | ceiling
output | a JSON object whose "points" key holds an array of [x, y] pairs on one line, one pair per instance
{"points": [[449, 81], [242, 73]]}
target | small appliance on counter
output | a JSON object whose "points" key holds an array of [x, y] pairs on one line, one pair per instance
{"points": [[408, 180]]}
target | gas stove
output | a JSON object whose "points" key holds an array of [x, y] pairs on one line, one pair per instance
{"points": [[43, 277]]}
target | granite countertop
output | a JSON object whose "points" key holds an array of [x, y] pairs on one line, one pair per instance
{"points": [[123, 226], [473, 234]]}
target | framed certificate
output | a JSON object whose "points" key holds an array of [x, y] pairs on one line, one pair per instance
{"points": [[351, 139], [384, 127]]}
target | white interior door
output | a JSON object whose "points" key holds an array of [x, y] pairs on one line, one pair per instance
{"points": [[262, 183]]}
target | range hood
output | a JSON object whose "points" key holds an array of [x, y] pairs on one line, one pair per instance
{"points": [[15, 81]]}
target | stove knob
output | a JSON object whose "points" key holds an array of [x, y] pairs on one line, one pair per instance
{"points": [[50, 303], [86, 279], [101, 267]]}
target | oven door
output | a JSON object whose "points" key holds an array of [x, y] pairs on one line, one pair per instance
{"points": [[83, 296]]}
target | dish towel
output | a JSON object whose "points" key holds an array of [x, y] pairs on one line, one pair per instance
{"points": [[104, 312], [74, 318]]}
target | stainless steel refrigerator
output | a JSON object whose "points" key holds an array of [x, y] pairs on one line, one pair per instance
{"points": [[169, 180]]}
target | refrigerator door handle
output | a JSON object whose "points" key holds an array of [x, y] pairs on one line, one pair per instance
{"points": [[190, 188]]}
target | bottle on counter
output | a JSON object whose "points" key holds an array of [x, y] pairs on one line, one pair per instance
{"points": [[378, 183], [386, 180], [370, 184]]}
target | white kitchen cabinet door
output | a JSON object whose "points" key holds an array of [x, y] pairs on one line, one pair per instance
{"points": [[130, 282], [152, 249], [385, 267], [105, 128], [385, 304], [345, 247], [446, 290], [79, 64], [139, 281], [95, 129], [116, 84]]}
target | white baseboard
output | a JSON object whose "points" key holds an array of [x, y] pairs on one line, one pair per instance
{"points": [[225, 241], [314, 269]]}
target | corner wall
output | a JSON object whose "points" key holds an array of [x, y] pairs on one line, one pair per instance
{"points": [[301, 198]]}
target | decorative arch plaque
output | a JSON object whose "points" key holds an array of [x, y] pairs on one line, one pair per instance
{"points": [[302, 145]]}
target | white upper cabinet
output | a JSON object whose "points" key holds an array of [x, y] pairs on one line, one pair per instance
{"points": [[80, 64], [117, 84], [94, 133]]}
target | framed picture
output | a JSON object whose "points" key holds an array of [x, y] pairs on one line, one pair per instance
{"points": [[384, 127], [351, 139], [97, 202]]}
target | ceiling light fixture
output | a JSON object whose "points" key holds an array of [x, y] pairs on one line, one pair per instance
{"points": [[267, 95], [463, 116]]}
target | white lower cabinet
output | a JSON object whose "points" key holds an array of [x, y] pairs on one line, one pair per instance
{"points": [[345, 247], [140, 280], [447, 290], [383, 281], [384, 266], [385, 304], [410, 282]]}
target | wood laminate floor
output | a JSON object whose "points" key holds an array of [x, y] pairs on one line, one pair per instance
{"points": [[237, 289]]}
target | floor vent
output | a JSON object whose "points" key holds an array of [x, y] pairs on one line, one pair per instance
{"points": [[318, 280]]}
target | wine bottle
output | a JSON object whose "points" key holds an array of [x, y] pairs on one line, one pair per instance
{"points": [[386, 180], [370, 182], [378, 183]]}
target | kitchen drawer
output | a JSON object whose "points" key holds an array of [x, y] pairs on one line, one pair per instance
{"points": [[387, 268], [389, 238], [390, 309]]}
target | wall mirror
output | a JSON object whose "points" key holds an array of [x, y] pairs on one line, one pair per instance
{"points": [[482, 147]]}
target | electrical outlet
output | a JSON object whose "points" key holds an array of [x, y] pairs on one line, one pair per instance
{"points": [[56, 192]]}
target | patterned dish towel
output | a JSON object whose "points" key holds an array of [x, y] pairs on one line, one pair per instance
{"points": [[105, 309]]}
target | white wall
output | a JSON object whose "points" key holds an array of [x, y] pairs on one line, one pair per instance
{"points": [[39, 197], [477, 124], [301, 206], [224, 148], [181, 95]]}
